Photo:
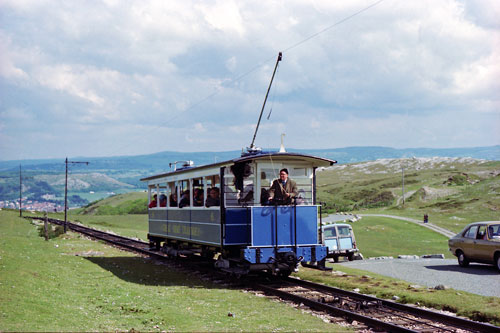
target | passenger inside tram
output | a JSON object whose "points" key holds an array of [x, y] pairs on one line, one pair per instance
{"points": [[163, 200], [173, 200], [213, 198], [198, 197], [153, 202], [184, 199]]}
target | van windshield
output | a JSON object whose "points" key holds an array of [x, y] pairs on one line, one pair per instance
{"points": [[344, 231], [330, 232]]}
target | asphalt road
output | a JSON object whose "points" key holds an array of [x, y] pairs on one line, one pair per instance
{"points": [[477, 278]]}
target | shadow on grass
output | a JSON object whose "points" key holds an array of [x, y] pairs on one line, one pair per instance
{"points": [[473, 269], [144, 271]]}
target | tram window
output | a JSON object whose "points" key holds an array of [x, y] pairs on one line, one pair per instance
{"points": [[162, 198], [298, 172], [198, 192], [267, 176], [246, 195], [301, 176], [230, 192], [185, 199], [239, 187], [173, 195], [304, 185], [212, 186], [304, 189], [153, 196], [212, 181]]}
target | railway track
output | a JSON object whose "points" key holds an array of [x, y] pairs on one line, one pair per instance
{"points": [[374, 313], [117, 240]]}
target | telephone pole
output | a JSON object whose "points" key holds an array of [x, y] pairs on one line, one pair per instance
{"points": [[403, 187], [66, 193], [20, 192]]}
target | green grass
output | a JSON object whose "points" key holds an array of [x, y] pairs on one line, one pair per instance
{"points": [[134, 226], [72, 284], [475, 307], [380, 236], [452, 193], [375, 236], [98, 195], [120, 204]]}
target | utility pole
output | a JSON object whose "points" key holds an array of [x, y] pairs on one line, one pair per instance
{"points": [[20, 192], [66, 193], [403, 188]]}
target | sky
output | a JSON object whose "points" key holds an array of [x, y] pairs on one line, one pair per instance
{"points": [[107, 78]]}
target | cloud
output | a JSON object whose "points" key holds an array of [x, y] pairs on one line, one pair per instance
{"points": [[411, 73], [224, 16]]}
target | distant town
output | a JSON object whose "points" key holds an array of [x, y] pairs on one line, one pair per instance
{"points": [[34, 205]]}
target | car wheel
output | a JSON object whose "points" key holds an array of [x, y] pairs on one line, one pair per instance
{"points": [[336, 258], [462, 259], [497, 261], [350, 257]]}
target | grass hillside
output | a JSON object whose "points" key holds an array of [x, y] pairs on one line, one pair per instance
{"points": [[453, 191], [120, 204], [376, 236], [72, 284]]}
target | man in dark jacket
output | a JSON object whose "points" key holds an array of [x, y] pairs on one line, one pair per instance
{"points": [[282, 190]]}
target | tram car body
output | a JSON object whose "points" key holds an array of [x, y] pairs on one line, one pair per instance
{"points": [[222, 208]]}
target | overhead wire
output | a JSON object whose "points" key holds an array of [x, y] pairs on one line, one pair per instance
{"points": [[260, 64], [332, 26]]}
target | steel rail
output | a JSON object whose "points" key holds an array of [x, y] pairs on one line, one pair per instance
{"points": [[129, 243], [333, 310], [422, 313]]}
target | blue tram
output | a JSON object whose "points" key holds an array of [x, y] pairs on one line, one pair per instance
{"points": [[223, 208]]}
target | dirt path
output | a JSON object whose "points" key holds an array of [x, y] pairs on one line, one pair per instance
{"points": [[407, 195]]}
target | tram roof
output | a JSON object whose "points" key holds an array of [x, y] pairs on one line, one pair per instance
{"points": [[276, 156]]}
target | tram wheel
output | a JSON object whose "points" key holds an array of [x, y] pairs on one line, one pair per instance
{"points": [[285, 273]]}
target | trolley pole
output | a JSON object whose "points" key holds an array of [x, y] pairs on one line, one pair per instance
{"points": [[252, 146], [66, 193]]}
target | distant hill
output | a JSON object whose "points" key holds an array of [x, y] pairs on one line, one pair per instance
{"points": [[455, 190], [106, 175], [160, 161]]}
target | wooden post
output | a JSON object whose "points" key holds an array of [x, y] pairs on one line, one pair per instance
{"points": [[45, 227]]}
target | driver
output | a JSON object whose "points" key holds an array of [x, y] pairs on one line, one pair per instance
{"points": [[283, 190]]}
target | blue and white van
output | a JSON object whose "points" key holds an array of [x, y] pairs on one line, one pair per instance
{"points": [[339, 238]]}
